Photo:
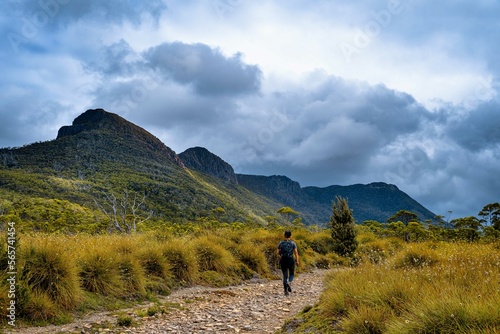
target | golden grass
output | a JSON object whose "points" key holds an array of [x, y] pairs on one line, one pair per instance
{"points": [[425, 288], [49, 271]]}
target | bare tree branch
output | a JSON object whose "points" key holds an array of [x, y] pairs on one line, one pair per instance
{"points": [[123, 212]]}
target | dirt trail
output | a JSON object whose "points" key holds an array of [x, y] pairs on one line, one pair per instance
{"points": [[254, 307]]}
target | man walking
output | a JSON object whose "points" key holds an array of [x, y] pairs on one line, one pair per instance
{"points": [[286, 250]]}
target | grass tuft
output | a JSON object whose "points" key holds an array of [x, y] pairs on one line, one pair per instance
{"points": [[99, 273], [132, 276], [40, 307], [182, 261], [212, 256], [50, 271], [417, 258]]}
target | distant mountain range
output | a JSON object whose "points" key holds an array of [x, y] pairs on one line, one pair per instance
{"points": [[102, 152]]}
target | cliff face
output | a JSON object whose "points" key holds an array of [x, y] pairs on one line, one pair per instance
{"points": [[278, 187], [202, 160]]}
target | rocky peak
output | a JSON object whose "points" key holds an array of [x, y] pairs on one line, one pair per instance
{"points": [[93, 119], [204, 161], [133, 138]]}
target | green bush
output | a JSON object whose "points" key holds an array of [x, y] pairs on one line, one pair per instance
{"points": [[322, 243], [375, 252], [152, 310], [154, 263], [214, 278], [253, 257], [369, 320]]}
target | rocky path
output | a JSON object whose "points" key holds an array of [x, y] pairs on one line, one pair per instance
{"points": [[253, 307]]}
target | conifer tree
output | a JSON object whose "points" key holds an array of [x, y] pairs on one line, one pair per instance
{"points": [[342, 227]]}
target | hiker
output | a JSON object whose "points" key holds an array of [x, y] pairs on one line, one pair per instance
{"points": [[286, 250]]}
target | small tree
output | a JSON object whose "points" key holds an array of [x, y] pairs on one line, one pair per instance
{"points": [[404, 216], [288, 213], [467, 222], [491, 215], [342, 227]]}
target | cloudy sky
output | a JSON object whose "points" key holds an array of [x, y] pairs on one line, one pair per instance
{"points": [[325, 92]]}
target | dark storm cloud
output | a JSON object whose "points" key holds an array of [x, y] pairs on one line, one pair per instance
{"points": [[116, 59], [172, 85], [376, 117], [479, 129], [328, 135], [21, 124], [205, 68]]}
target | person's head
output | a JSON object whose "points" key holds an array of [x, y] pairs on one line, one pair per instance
{"points": [[288, 234]]}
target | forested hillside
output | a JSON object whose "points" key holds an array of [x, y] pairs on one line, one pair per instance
{"points": [[103, 170]]}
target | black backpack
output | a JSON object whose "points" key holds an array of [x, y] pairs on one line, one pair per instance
{"points": [[286, 248]]}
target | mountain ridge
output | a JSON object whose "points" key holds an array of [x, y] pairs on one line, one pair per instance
{"points": [[102, 152]]}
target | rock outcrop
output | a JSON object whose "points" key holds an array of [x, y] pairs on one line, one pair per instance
{"points": [[119, 129], [202, 160]]}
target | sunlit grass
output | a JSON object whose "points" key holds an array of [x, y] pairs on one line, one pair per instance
{"points": [[76, 273], [424, 288]]}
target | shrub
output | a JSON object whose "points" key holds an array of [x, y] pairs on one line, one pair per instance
{"points": [[337, 260], [322, 262], [267, 241], [214, 278], [4, 293], [365, 319], [154, 263], [123, 245], [322, 243], [152, 310], [374, 251]]}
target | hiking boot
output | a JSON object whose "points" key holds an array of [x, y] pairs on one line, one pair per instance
{"points": [[286, 292], [288, 288]]}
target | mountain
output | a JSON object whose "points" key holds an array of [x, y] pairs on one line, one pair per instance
{"points": [[102, 155], [95, 137], [375, 201], [60, 184], [204, 161]]}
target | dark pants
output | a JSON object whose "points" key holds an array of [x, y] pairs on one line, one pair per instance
{"points": [[287, 265]]}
